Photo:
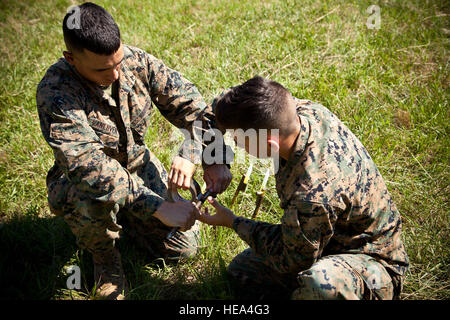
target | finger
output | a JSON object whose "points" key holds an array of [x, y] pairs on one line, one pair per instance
{"points": [[208, 181], [228, 181], [169, 178], [186, 183], [203, 213], [216, 184], [225, 180], [214, 202], [198, 205], [196, 210], [180, 179], [170, 173], [205, 216], [221, 188], [174, 178]]}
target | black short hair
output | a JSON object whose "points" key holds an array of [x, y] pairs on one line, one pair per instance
{"points": [[258, 103], [93, 29]]}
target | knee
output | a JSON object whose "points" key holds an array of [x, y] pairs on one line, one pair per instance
{"points": [[330, 278], [251, 279], [327, 279], [241, 267], [314, 285], [247, 273], [234, 271]]}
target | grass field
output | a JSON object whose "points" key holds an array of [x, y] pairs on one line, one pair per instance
{"points": [[389, 85]]}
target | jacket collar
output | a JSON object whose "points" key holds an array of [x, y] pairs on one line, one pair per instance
{"points": [[126, 79], [290, 169]]}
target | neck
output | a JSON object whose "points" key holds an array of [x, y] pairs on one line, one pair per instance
{"points": [[287, 144]]}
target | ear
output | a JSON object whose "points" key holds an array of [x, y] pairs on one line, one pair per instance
{"points": [[68, 56], [274, 145]]}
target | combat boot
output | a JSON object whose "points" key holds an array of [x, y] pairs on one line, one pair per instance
{"points": [[109, 277]]}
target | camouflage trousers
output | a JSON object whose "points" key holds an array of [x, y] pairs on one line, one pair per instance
{"points": [[98, 225], [340, 276]]}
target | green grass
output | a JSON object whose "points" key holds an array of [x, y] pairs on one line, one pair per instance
{"points": [[390, 86]]}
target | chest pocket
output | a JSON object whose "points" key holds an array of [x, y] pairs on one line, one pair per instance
{"points": [[140, 106], [106, 130]]}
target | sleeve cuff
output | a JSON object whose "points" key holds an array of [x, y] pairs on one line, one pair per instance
{"points": [[244, 228], [146, 204], [191, 151]]}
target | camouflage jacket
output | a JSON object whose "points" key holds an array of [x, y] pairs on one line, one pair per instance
{"points": [[97, 143], [334, 199]]}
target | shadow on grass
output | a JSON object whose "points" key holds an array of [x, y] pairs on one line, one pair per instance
{"points": [[34, 253], [200, 277]]}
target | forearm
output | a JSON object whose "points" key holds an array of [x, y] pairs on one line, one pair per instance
{"points": [[295, 243], [261, 236], [145, 202], [267, 240]]}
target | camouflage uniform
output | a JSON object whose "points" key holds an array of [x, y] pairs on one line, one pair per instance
{"points": [[339, 237], [103, 171]]}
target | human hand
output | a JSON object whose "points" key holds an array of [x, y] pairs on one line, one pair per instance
{"points": [[181, 173], [180, 214], [217, 177], [223, 217]]}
